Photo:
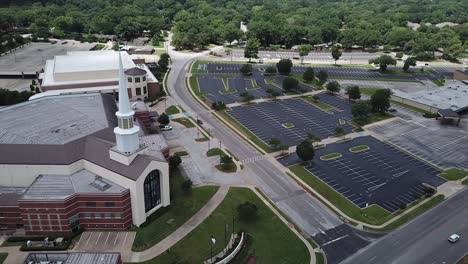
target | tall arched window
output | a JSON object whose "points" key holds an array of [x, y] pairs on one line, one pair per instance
{"points": [[152, 190]]}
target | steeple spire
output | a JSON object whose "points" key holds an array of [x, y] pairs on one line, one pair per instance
{"points": [[126, 134]]}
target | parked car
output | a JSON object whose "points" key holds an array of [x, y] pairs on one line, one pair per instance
{"points": [[199, 122], [166, 128], [453, 238]]}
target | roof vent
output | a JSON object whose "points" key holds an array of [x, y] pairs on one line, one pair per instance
{"points": [[100, 184]]}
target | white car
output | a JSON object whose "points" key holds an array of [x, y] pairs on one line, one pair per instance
{"points": [[166, 128], [453, 238]]}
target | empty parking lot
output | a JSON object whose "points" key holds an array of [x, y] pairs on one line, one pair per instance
{"points": [[381, 175], [102, 241], [291, 120]]}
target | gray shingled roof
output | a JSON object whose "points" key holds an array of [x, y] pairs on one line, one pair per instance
{"points": [[135, 72], [92, 145]]}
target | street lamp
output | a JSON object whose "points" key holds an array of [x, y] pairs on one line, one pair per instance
{"points": [[212, 242]]}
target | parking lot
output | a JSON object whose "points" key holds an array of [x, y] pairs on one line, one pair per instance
{"points": [[381, 175], [32, 57], [444, 146], [269, 119], [313, 55], [105, 241]]}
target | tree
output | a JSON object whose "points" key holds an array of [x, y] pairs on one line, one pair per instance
{"points": [[274, 143], [361, 110], [272, 92], [322, 76], [290, 84], [309, 74], [246, 97], [163, 119], [270, 70], [410, 61], [251, 48], [218, 106], [247, 212], [163, 60], [226, 162], [380, 100], [304, 51], [284, 66], [174, 161], [246, 69], [339, 131], [336, 53], [186, 186], [353, 92], [231, 32], [383, 62], [333, 87], [305, 150]]}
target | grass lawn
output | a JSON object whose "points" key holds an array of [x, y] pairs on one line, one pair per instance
{"points": [[165, 221], [184, 121], [172, 110], [368, 91], [246, 132], [228, 168], [215, 152], [376, 79], [359, 148], [229, 91], [181, 153], [194, 85], [3, 256], [465, 182], [439, 82], [202, 139], [373, 117], [413, 214], [319, 258], [272, 241], [453, 174], [372, 215], [323, 106], [331, 156], [197, 63]]}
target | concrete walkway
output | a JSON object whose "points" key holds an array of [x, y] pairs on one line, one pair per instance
{"points": [[181, 232], [15, 256]]}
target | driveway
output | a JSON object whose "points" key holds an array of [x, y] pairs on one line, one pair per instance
{"points": [[105, 241]]}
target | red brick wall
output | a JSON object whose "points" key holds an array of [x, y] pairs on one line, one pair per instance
{"points": [[53, 217], [10, 217], [153, 88]]}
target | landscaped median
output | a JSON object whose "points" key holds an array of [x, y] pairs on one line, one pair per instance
{"points": [[184, 204], [270, 240], [359, 148], [226, 162], [3, 256], [373, 216], [454, 174]]}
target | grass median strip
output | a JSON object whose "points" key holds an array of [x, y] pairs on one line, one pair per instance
{"points": [[171, 110], [3, 256], [359, 148], [272, 240], [453, 174], [322, 106], [331, 156], [184, 121]]}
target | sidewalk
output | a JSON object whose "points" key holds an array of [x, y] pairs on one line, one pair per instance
{"points": [[181, 232]]}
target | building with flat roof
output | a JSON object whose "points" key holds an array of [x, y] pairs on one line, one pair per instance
{"points": [[74, 258], [79, 161], [96, 71]]}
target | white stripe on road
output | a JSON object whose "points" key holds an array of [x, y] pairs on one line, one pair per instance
{"points": [[334, 240]]}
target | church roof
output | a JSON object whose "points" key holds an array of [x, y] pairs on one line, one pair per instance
{"points": [[135, 72], [50, 134]]}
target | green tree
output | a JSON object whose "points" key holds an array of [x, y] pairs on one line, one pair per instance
{"points": [[290, 84], [274, 143], [309, 74], [251, 48], [333, 87], [284, 66], [322, 76], [270, 70], [174, 161], [353, 92], [410, 61], [232, 32], [246, 97], [383, 62], [304, 51], [361, 110], [163, 60], [380, 100], [246, 69], [336, 53], [339, 131], [305, 150], [163, 119]]}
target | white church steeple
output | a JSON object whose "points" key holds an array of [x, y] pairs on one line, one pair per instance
{"points": [[126, 133]]}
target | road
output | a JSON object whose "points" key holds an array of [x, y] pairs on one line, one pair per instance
{"points": [[304, 210], [423, 240]]}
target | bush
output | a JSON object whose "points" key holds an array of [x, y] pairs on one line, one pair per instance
{"points": [[246, 69], [247, 212], [284, 66], [218, 106], [174, 161], [429, 192], [187, 185], [270, 70], [430, 115], [290, 84], [403, 206], [309, 74], [399, 55], [163, 119]]}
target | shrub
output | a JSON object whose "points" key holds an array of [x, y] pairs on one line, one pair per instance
{"points": [[430, 115], [270, 70], [187, 185], [174, 161], [246, 69]]}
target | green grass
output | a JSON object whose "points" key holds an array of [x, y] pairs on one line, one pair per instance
{"points": [[272, 240], [372, 215], [3, 256], [465, 182], [439, 82], [229, 91], [331, 156], [171, 110], [215, 152], [11, 244], [194, 85], [369, 91], [376, 79], [247, 132], [413, 214], [419, 110], [323, 106], [288, 125], [198, 63], [453, 174], [359, 148], [319, 258], [202, 139], [184, 121], [183, 206], [181, 153], [373, 117], [228, 168]]}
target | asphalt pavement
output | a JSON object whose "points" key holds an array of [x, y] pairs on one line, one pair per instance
{"points": [[423, 240]]}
